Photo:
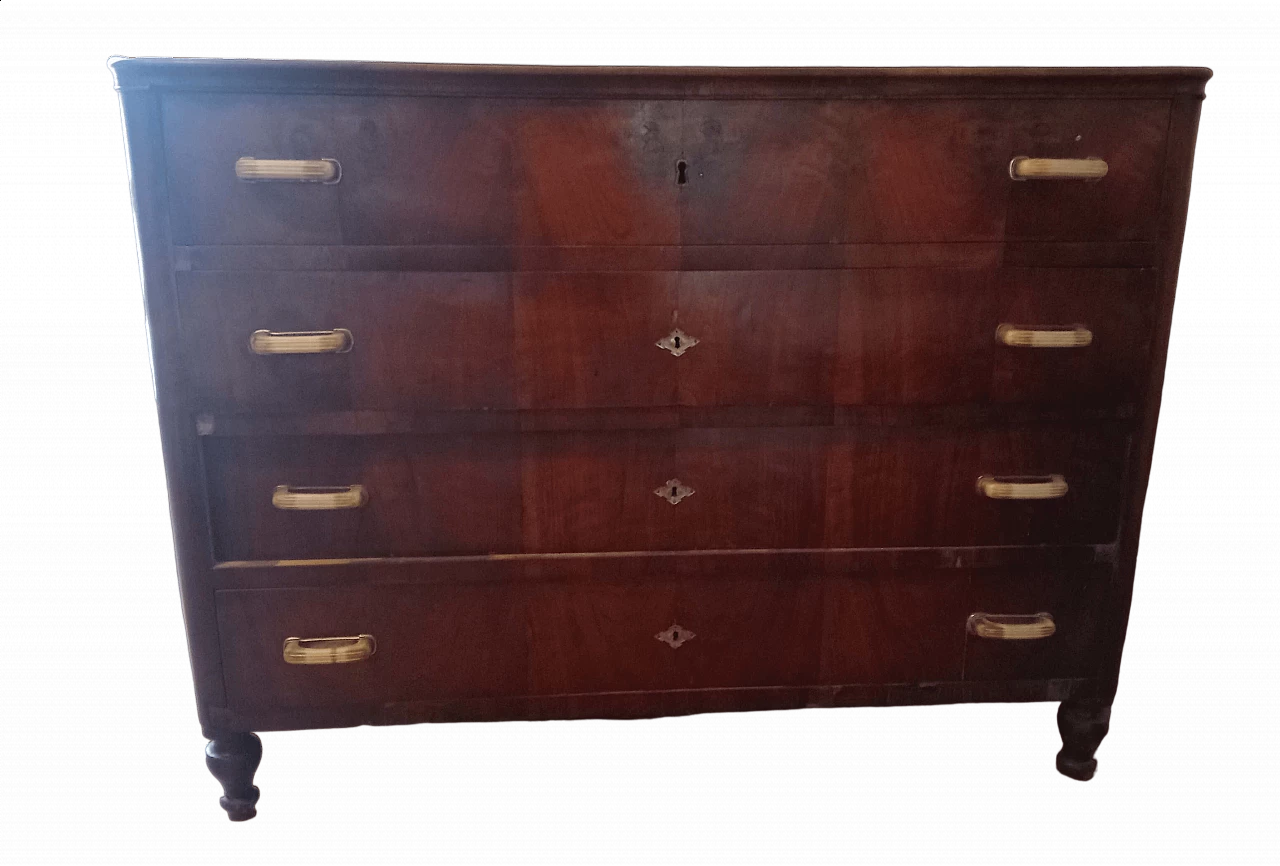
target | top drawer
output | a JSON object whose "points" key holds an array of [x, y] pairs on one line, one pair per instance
{"points": [[410, 170]]}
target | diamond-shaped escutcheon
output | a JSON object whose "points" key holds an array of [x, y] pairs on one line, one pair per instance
{"points": [[677, 342], [674, 491], [676, 636]]}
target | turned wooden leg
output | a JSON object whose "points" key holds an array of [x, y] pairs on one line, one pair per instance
{"points": [[233, 759], [1082, 725]]}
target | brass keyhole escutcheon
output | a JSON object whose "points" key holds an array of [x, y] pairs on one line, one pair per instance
{"points": [[674, 491], [677, 342], [676, 636]]}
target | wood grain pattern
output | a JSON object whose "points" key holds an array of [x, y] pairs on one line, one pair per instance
{"points": [[595, 492], [443, 495], [492, 341], [424, 171], [573, 636], [1125, 205], [506, 245], [1074, 600], [470, 171], [441, 640], [419, 341], [587, 340]]}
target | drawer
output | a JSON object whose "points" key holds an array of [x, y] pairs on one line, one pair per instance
{"points": [[698, 489], [502, 640], [447, 641], [424, 170], [935, 170], [405, 340], [439, 341], [1076, 600], [628, 172], [460, 641]]}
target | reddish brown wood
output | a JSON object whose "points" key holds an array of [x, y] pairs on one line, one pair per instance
{"points": [[766, 338], [1072, 597], [1130, 135], [486, 341], [508, 244], [588, 340], [424, 171], [754, 257], [441, 495], [420, 341], [896, 629], [563, 634], [448, 641]]}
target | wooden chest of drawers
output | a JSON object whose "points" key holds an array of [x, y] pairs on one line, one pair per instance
{"points": [[514, 393]]}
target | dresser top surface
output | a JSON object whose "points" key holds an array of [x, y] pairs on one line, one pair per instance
{"points": [[432, 79]]}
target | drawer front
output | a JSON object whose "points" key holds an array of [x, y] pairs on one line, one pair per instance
{"points": [[425, 341], [1075, 600], [424, 170], [626, 172], [429, 640], [442, 641], [937, 170], [710, 489], [417, 341], [506, 640]]}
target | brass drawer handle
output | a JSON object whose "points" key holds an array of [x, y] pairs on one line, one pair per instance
{"points": [[328, 650], [1065, 337], [1012, 626], [336, 341], [253, 170], [1016, 487], [1027, 168], [289, 498]]}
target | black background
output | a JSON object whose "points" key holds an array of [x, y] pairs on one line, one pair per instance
{"points": [[812, 766]]}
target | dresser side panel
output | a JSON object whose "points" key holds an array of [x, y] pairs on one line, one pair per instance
{"points": [[179, 444], [1183, 123]]}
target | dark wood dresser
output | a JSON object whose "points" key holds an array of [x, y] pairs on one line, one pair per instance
{"points": [[526, 393]]}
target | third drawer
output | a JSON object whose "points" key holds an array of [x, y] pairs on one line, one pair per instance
{"points": [[695, 489]]}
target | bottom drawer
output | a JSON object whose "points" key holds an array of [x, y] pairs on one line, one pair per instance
{"points": [[442, 641]]}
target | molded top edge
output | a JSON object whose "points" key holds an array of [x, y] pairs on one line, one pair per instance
{"points": [[296, 76]]}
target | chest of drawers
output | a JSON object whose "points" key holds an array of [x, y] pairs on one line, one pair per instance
{"points": [[524, 393]]}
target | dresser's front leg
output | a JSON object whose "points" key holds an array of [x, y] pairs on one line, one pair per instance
{"points": [[1082, 725], [233, 759]]}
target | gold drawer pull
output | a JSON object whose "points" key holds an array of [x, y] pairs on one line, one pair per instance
{"points": [[288, 170], [1065, 337], [289, 498], [1012, 626], [328, 650], [1026, 168], [1016, 487], [337, 341]]}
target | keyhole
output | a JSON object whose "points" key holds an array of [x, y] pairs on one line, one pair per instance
{"points": [[675, 341], [681, 176], [673, 493]]}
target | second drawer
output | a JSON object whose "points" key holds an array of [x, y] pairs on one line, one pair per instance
{"points": [[438, 341], [706, 489]]}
